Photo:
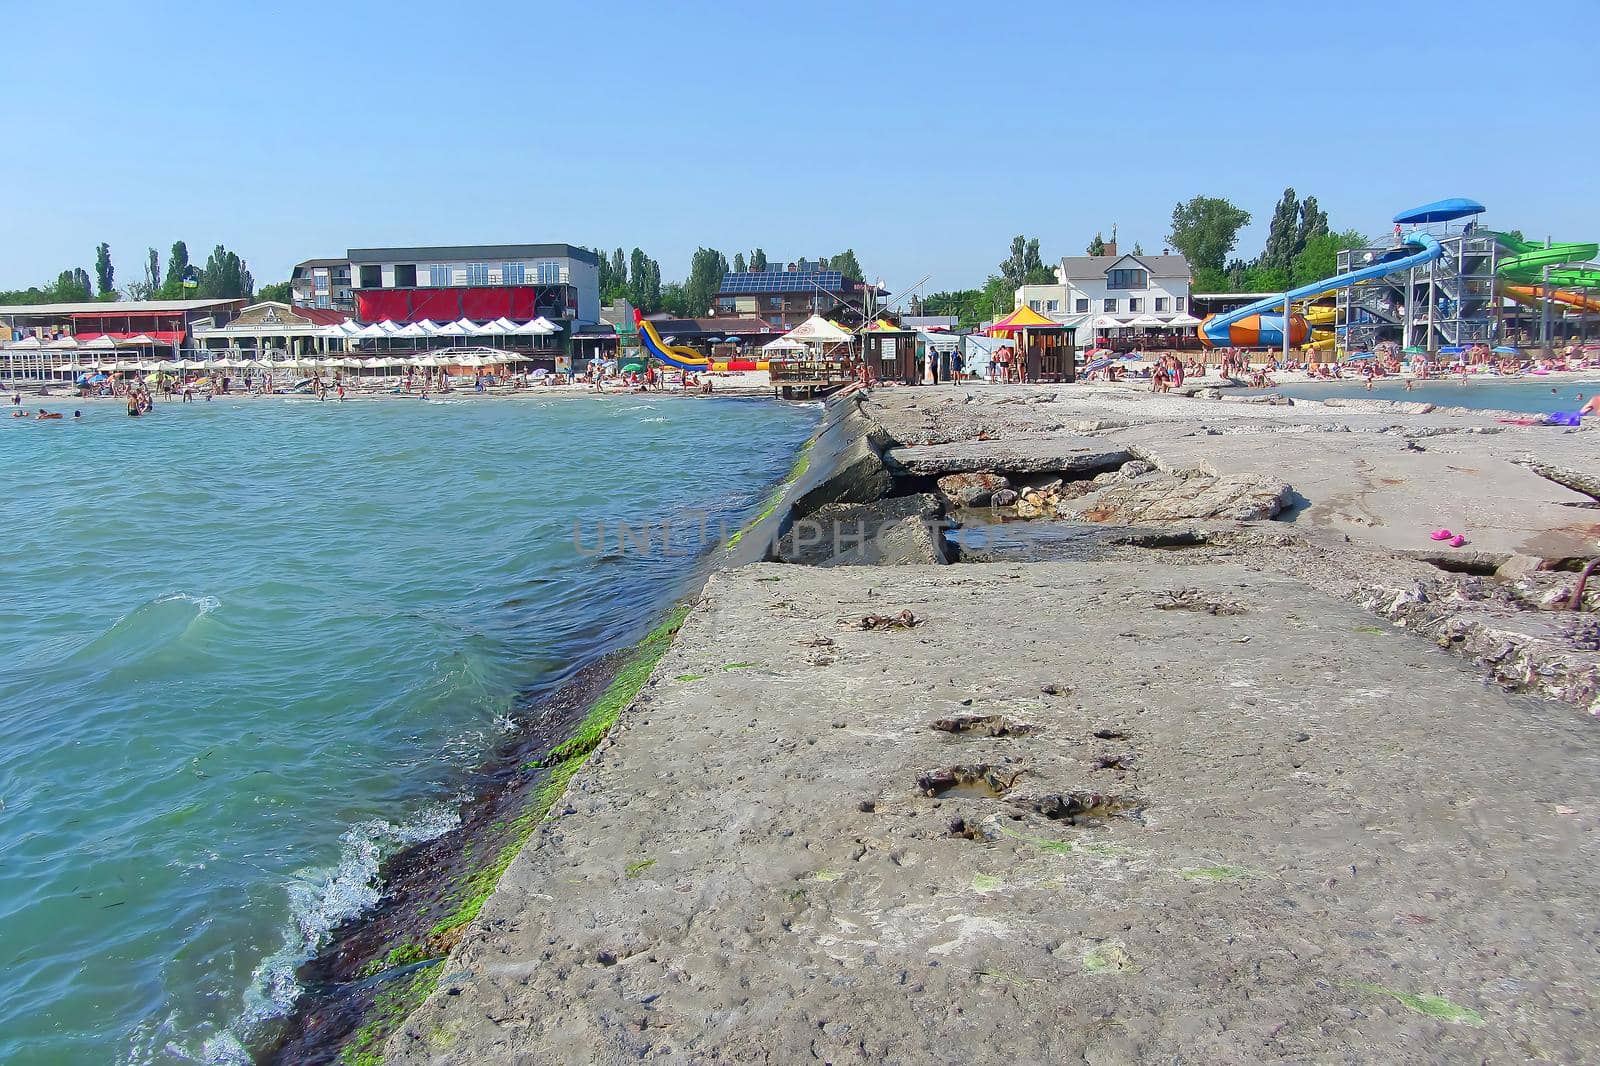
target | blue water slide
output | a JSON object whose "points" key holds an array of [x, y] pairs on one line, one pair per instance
{"points": [[1216, 328]]}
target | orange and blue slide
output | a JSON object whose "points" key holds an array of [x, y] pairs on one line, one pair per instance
{"points": [[681, 356]]}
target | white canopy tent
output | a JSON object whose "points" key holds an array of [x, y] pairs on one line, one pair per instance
{"points": [[1148, 322], [818, 330], [372, 332], [1183, 321]]}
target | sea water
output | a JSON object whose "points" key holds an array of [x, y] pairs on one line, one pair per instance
{"points": [[1526, 395], [248, 648]]}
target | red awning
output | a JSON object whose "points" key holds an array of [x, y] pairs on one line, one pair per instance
{"points": [[158, 335]]}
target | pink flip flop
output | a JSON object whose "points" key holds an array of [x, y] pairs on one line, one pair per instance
{"points": [[1457, 541], [1441, 534]]}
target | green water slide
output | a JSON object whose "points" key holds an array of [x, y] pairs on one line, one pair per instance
{"points": [[1525, 265]]}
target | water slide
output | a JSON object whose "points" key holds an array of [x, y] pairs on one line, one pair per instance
{"points": [[1254, 325], [682, 357], [676, 356], [1523, 276]]}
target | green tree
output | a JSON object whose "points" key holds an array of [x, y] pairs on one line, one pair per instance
{"points": [[148, 288], [1280, 250], [644, 282], [675, 301], [999, 297], [1023, 262], [738, 263], [1313, 223], [177, 271], [1210, 279], [1138, 249], [104, 274], [1205, 230], [1096, 246], [1257, 278], [758, 261], [845, 263], [224, 277], [277, 292], [1320, 257], [967, 305], [706, 269], [72, 286]]}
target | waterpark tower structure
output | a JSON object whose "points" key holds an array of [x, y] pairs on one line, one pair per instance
{"points": [[1438, 301]]}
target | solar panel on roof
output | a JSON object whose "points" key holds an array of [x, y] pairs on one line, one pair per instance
{"points": [[782, 281]]}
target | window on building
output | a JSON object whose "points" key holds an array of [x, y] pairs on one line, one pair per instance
{"points": [[1081, 306], [1033, 305], [323, 301], [1052, 306], [547, 273], [513, 273], [320, 278], [372, 277], [1126, 278], [1178, 302], [726, 303], [1161, 303], [1135, 305], [477, 273], [439, 275], [1109, 305], [405, 275]]}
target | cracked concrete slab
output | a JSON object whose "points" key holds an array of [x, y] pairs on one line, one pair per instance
{"points": [[1327, 843]]}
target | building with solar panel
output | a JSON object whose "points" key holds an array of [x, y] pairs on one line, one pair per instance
{"points": [[787, 296]]}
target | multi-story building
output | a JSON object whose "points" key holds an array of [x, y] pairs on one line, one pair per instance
{"points": [[323, 284], [1123, 286], [787, 296], [516, 281]]}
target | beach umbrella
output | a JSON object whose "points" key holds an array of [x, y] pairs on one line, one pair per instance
{"points": [[1506, 350], [1183, 321]]}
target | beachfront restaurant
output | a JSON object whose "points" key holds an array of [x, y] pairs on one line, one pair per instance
{"points": [[271, 329], [40, 342]]}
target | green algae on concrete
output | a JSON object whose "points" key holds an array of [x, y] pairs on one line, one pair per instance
{"points": [[388, 1011], [801, 465], [1423, 1003], [563, 761], [1220, 872]]}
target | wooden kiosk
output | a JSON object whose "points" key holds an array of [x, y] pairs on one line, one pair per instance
{"points": [[1044, 347]]}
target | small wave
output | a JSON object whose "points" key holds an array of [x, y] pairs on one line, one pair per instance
{"points": [[322, 899], [148, 629], [658, 418], [640, 407], [206, 604]]}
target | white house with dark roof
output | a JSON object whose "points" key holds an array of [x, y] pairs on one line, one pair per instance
{"points": [[1125, 286]]}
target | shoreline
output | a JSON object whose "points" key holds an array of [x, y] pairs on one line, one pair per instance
{"points": [[374, 968], [751, 918]]}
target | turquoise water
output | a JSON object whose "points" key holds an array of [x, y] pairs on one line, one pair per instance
{"points": [[249, 647], [1529, 396]]}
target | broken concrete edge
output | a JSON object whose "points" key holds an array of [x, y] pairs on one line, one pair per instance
{"points": [[841, 463]]}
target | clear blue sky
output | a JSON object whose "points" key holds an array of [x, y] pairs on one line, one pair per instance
{"points": [[924, 135]]}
